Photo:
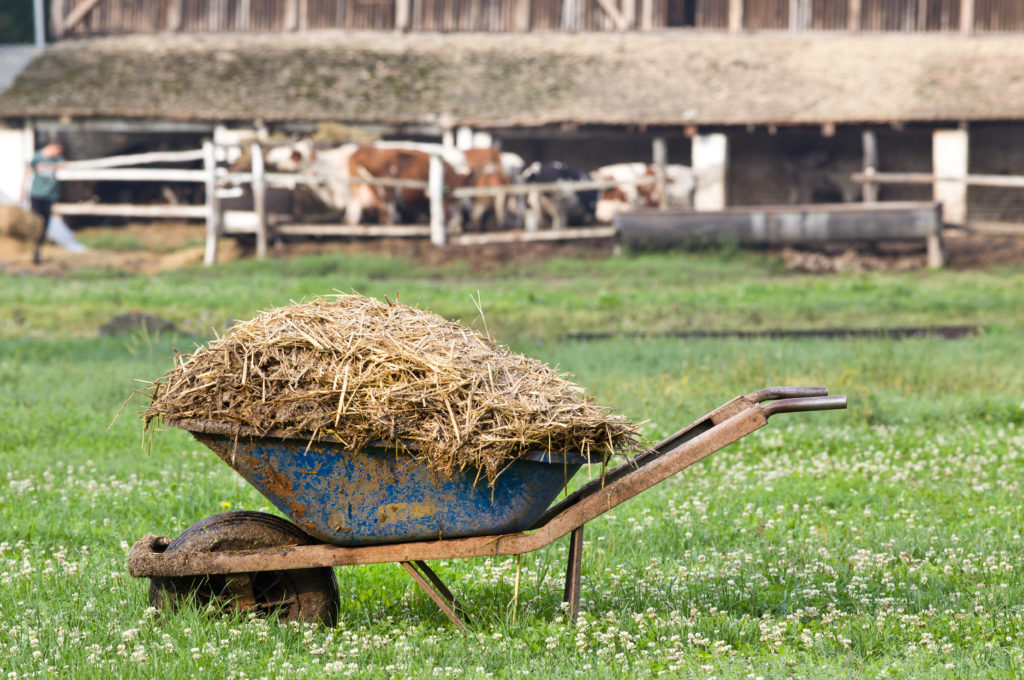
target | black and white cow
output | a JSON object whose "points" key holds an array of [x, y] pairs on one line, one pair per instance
{"points": [[571, 207]]}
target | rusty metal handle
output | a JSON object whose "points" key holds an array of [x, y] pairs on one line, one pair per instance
{"points": [[804, 404], [787, 393]]}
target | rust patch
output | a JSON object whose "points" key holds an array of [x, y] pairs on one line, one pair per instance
{"points": [[249, 466], [401, 512], [339, 521]]}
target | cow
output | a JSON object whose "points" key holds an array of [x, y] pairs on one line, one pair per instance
{"points": [[484, 168], [629, 195], [392, 203], [290, 157], [564, 206]]}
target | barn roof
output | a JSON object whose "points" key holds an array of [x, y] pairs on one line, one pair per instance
{"points": [[497, 80]]}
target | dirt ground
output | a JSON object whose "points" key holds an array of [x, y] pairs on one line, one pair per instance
{"points": [[154, 248]]}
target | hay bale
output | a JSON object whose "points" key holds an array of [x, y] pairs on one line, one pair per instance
{"points": [[361, 370], [20, 224]]}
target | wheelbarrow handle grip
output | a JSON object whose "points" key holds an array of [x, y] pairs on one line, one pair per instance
{"points": [[786, 393], [804, 404]]}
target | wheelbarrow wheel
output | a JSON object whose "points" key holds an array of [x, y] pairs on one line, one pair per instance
{"points": [[293, 594]]}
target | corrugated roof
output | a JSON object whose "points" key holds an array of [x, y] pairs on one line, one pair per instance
{"points": [[669, 78]]}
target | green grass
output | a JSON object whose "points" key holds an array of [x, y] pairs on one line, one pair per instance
{"points": [[882, 541]]}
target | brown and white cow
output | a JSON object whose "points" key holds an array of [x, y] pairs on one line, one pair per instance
{"points": [[628, 195], [393, 203]]}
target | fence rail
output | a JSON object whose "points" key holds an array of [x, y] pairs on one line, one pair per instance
{"points": [[96, 17]]}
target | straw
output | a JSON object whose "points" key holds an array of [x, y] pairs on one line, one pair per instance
{"points": [[362, 370]]}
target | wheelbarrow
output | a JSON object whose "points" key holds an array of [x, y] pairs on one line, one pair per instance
{"points": [[380, 505]]}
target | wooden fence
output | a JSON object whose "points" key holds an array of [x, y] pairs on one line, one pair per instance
{"points": [[218, 180], [100, 17]]}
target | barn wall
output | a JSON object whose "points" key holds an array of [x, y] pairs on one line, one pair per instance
{"points": [[996, 149], [794, 165], [148, 16], [905, 150]]}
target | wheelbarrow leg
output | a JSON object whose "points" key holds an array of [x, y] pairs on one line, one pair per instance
{"points": [[573, 573], [438, 591]]}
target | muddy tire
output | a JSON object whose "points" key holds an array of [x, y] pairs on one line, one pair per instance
{"points": [[293, 594]]}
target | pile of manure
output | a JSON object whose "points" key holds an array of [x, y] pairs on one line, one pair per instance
{"points": [[359, 370]]}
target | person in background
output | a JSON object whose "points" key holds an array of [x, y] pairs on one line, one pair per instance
{"points": [[45, 189]]}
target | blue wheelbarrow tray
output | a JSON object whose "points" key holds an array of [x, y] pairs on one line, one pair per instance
{"points": [[383, 494]]}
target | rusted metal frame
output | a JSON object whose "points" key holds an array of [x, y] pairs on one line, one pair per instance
{"points": [[437, 590], [697, 427], [574, 573], [143, 561]]}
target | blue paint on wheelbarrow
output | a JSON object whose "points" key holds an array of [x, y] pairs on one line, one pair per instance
{"points": [[381, 495]]}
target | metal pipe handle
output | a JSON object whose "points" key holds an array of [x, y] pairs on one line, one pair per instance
{"points": [[804, 404], [786, 393]]}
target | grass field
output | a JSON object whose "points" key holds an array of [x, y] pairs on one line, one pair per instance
{"points": [[882, 541]]}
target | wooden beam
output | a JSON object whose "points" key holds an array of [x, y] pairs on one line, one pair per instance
{"points": [[138, 159], [629, 12], [402, 14], [212, 208], [435, 191], [646, 15], [518, 236], [78, 13], [368, 230], [1000, 181], [660, 152], [735, 16], [523, 15], [130, 175], [966, 17], [869, 142], [126, 210], [853, 10], [175, 14], [259, 199], [572, 15], [291, 15], [614, 14], [57, 18], [243, 20]]}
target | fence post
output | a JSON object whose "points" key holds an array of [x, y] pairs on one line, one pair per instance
{"points": [[533, 211], [212, 204], [435, 192], [259, 199], [870, 143], [660, 152]]}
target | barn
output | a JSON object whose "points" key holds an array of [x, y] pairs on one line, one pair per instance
{"points": [[770, 101]]}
